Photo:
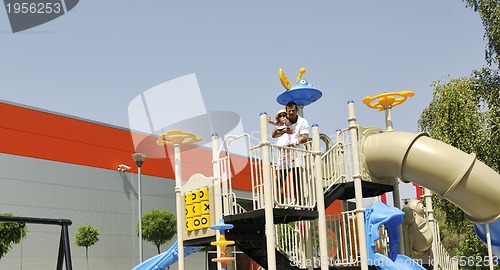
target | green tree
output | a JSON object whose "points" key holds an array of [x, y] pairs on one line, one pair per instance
{"points": [[489, 10], [10, 233], [158, 227], [465, 113], [86, 236]]}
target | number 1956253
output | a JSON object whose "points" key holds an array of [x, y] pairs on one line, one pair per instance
{"points": [[33, 8]]}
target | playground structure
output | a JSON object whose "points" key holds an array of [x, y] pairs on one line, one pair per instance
{"points": [[287, 228]]}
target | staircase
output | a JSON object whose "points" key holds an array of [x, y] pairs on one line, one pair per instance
{"points": [[249, 227], [249, 235], [256, 249]]}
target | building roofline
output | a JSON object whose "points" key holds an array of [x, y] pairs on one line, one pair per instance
{"points": [[66, 115]]}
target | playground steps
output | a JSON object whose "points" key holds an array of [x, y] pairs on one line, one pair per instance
{"points": [[249, 227], [249, 233], [256, 249], [345, 191]]}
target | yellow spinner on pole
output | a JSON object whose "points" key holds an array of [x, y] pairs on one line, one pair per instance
{"points": [[178, 138], [386, 101]]}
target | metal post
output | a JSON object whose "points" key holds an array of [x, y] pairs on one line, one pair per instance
{"points": [[358, 191], [432, 226], [60, 256], [308, 243], [338, 137], [488, 243], [323, 245], [178, 201], [388, 119], [67, 252], [217, 189], [139, 160], [268, 193], [396, 196], [139, 207]]}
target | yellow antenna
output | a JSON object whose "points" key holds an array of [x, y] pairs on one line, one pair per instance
{"points": [[301, 72], [284, 80]]}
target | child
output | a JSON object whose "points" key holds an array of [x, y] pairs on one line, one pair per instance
{"points": [[284, 132]]}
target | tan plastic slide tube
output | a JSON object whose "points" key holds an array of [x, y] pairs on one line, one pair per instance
{"points": [[454, 175]]}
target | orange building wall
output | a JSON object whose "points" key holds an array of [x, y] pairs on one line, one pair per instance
{"points": [[44, 135]]}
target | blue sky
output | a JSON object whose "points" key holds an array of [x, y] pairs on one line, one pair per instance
{"points": [[93, 61]]}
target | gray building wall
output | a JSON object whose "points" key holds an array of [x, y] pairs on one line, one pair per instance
{"points": [[104, 198]]}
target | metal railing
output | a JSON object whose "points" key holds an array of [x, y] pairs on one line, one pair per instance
{"points": [[229, 204], [338, 161], [442, 258], [257, 177], [343, 243], [292, 174], [288, 240], [333, 169]]}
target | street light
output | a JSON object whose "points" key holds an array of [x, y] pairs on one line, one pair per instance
{"points": [[139, 160]]}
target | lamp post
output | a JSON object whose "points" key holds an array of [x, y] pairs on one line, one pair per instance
{"points": [[178, 138], [139, 160]]}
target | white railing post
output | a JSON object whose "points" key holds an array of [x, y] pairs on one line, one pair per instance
{"points": [[177, 138], [488, 243], [268, 192], [395, 193], [179, 208], [353, 128], [432, 227], [339, 138], [308, 241], [217, 190], [320, 199]]}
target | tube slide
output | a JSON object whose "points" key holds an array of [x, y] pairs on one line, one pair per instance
{"points": [[165, 259], [454, 175], [495, 235]]}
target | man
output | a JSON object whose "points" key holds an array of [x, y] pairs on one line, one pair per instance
{"points": [[299, 129], [299, 126]]}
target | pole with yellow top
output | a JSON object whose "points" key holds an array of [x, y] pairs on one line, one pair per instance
{"points": [[178, 138], [385, 102]]}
